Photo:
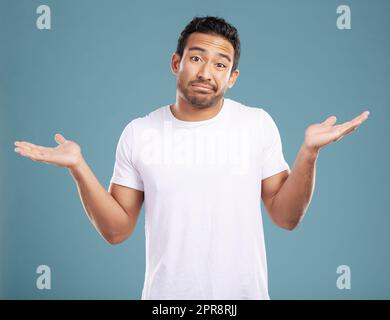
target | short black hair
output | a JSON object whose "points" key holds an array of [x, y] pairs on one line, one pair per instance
{"points": [[211, 25]]}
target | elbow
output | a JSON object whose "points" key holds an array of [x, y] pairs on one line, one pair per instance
{"points": [[289, 220], [114, 236], [292, 224], [286, 225], [289, 226], [114, 239]]}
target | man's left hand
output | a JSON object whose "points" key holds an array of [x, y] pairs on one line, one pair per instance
{"points": [[319, 135]]}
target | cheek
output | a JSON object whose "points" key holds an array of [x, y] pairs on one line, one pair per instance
{"points": [[190, 70], [223, 81], [186, 71]]}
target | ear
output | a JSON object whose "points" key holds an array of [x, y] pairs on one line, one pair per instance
{"points": [[175, 63], [233, 78]]}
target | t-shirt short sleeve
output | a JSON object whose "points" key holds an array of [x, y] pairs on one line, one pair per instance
{"points": [[273, 160], [125, 173]]}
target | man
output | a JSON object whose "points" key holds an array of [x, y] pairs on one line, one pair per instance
{"points": [[202, 166]]}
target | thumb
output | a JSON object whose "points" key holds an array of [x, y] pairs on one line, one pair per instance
{"points": [[59, 138], [330, 121]]}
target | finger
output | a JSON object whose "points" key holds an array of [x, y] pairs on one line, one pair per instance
{"points": [[360, 118], [350, 129], [59, 138], [344, 129], [330, 121], [354, 122], [352, 125], [364, 116], [357, 120], [29, 146], [34, 155]]}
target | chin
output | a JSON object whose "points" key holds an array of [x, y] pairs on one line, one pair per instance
{"points": [[202, 103]]}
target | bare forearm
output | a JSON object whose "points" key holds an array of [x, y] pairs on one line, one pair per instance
{"points": [[291, 202], [109, 218]]}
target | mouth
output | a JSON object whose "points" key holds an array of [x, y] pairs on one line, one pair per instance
{"points": [[202, 87]]}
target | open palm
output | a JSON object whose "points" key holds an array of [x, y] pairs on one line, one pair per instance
{"points": [[66, 154], [320, 134]]}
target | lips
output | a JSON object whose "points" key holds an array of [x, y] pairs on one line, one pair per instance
{"points": [[202, 86]]}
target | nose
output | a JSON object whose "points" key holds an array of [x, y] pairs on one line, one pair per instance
{"points": [[204, 72]]}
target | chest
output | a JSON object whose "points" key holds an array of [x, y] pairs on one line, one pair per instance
{"points": [[172, 159]]}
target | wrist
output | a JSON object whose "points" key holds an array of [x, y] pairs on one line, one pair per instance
{"points": [[77, 165], [310, 152]]}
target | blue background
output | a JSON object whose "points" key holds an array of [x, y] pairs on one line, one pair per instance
{"points": [[104, 63]]}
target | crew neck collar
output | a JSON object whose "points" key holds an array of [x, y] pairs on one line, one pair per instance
{"points": [[219, 115]]}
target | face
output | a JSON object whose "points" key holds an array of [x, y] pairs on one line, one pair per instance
{"points": [[203, 73]]}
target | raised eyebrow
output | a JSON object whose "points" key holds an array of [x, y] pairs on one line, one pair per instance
{"points": [[204, 50], [225, 56]]}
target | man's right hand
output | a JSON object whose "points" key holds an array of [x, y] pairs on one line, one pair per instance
{"points": [[114, 213], [66, 154]]}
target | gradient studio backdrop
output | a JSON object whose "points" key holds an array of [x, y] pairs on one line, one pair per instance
{"points": [[103, 63]]}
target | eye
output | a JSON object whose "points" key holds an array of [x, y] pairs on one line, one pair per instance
{"points": [[195, 58], [221, 65]]}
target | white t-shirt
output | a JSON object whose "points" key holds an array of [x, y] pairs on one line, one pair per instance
{"points": [[202, 188]]}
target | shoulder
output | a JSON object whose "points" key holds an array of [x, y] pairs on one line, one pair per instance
{"points": [[250, 113], [257, 119], [151, 120]]}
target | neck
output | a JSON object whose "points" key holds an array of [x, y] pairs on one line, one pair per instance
{"points": [[185, 111]]}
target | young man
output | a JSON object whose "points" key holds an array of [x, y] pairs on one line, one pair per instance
{"points": [[202, 166]]}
